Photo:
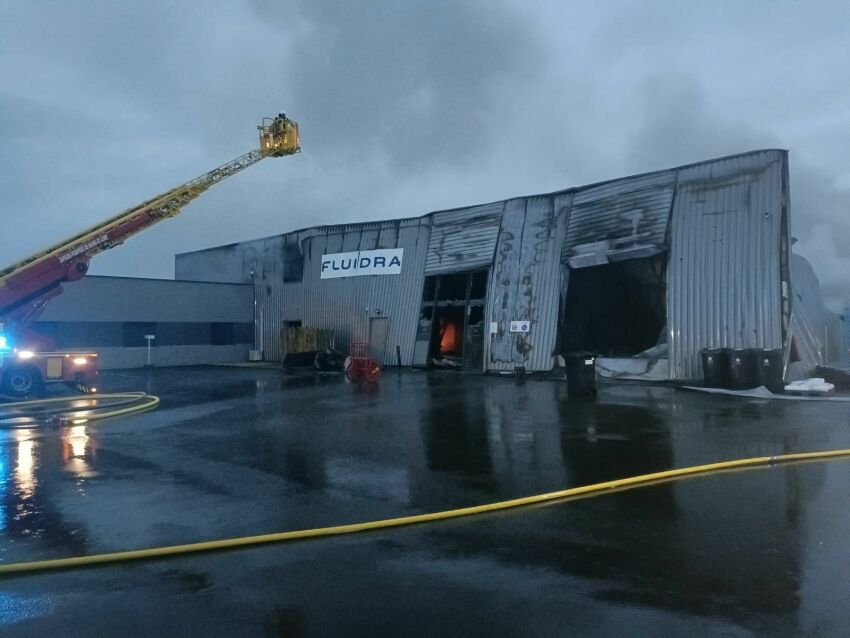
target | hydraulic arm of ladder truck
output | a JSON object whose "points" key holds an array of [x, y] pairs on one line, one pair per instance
{"points": [[28, 285]]}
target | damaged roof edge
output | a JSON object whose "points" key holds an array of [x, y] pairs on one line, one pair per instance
{"points": [[429, 215]]}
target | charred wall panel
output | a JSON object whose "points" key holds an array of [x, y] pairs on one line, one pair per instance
{"points": [[463, 239], [621, 219], [525, 283]]}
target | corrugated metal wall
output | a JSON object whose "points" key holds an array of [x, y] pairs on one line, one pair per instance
{"points": [[727, 263], [629, 214], [526, 283], [816, 332], [346, 305], [724, 281], [463, 239]]}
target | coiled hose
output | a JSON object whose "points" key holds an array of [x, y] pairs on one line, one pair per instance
{"points": [[93, 407]]}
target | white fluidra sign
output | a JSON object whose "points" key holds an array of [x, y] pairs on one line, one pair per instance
{"points": [[386, 261]]}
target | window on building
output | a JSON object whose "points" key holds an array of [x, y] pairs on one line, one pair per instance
{"points": [[430, 288], [223, 334], [116, 334], [478, 288], [452, 287], [293, 263], [177, 333], [82, 334], [135, 331], [244, 333]]}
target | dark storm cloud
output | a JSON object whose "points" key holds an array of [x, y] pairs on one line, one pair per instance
{"points": [[416, 82], [678, 126], [405, 107], [124, 101]]}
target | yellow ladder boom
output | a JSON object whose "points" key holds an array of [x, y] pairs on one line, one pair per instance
{"points": [[279, 136]]}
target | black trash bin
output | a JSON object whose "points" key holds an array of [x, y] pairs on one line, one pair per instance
{"points": [[769, 368], [715, 367], [581, 373], [743, 370]]}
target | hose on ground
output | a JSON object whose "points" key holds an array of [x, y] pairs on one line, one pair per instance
{"points": [[595, 489], [93, 407]]}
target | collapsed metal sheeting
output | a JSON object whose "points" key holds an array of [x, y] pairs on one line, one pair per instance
{"points": [[816, 333]]}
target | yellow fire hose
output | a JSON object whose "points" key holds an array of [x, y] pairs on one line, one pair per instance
{"points": [[125, 402], [588, 490]]}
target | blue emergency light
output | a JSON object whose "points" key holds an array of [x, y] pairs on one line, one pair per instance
{"points": [[4, 344]]}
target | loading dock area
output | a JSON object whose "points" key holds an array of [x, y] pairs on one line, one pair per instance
{"points": [[237, 451]]}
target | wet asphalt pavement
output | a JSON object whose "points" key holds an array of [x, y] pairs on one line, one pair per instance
{"points": [[239, 451]]}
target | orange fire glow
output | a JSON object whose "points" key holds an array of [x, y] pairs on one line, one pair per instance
{"points": [[448, 336]]}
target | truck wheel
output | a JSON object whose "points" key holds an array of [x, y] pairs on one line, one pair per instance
{"points": [[21, 381]]}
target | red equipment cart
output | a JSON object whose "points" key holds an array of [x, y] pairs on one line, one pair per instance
{"points": [[361, 365]]}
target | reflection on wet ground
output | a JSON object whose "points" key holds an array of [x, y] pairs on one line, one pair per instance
{"points": [[238, 451]]}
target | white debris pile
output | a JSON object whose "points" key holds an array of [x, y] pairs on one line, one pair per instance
{"points": [[810, 386], [636, 369]]}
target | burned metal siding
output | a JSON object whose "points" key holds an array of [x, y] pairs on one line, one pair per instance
{"points": [[525, 283], [463, 239], [628, 217], [346, 305], [724, 280]]}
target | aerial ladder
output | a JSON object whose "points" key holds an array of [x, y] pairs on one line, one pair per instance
{"points": [[28, 359]]}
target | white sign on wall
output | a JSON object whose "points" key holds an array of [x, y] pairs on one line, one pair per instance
{"points": [[385, 261], [520, 326]]}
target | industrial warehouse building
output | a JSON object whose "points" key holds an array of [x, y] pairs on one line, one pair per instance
{"points": [[649, 269], [190, 322]]}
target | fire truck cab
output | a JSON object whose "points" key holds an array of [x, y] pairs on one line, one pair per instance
{"points": [[25, 372]]}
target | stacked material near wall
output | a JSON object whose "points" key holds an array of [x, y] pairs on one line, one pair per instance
{"points": [[299, 339]]}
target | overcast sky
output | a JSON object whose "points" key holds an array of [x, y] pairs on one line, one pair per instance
{"points": [[405, 106]]}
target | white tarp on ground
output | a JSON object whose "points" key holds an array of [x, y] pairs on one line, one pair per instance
{"points": [[763, 393], [632, 368]]}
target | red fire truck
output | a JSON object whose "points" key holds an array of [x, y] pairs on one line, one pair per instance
{"points": [[28, 360]]}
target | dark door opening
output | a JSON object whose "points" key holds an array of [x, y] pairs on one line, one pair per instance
{"points": [[450, 329], [617, 309]]}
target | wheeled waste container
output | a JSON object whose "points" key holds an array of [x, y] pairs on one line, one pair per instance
{"points": [[769, 369], [715, 367], [743, 370], [581, 373]]}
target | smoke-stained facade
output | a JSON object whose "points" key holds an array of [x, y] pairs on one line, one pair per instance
{"points": [[666, 263]]}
